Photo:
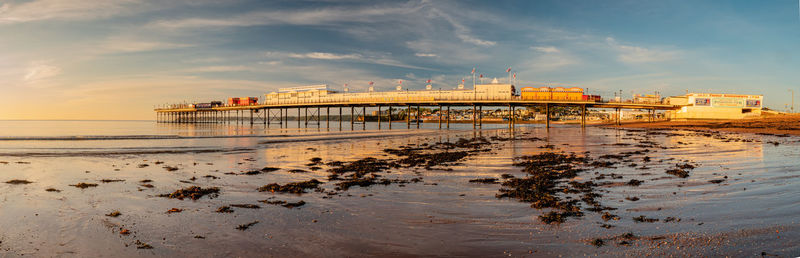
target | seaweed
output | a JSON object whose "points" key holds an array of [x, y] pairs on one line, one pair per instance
{"points": [[296, 187], [18, 182], [84, 185], [192, 192]]}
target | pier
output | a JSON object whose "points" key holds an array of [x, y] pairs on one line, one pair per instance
{"points": [[312, 112]]}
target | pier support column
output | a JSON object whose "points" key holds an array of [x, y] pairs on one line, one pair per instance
{"points": [[448, 117], [417, 113], [298, 118], [305, 117], [251, 117], [474, 116], [440, 116], [352, 118], [390, 117], [513, 116], [364, 121], [266, 119], [379, 117], [480, 117], [509, 116], [583, 115], [408, 117], [547, 116], [328, 117], [340, 118]]}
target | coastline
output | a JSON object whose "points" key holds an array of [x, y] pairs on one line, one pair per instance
{"points": [[769, 125]]}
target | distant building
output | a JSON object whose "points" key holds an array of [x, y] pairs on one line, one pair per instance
{"points": [[715, 106], [647, 99]]}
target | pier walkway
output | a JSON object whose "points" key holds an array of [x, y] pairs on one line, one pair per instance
{"points": [[278, 113]]}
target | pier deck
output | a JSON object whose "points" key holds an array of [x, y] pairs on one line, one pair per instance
{"points": [[267, 112]]}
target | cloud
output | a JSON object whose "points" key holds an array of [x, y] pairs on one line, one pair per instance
{"points": [[322, 16], [325, 56], [462, 32], [425, 55], [548, 49], [39, 71], [635, 55], [549, 58], [219, 68], [374, 58], [63, 10], [135, 45], [409, 14]]}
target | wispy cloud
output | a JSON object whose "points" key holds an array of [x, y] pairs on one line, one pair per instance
{"points": [[325, 56], [219, 68], [63, 10], [635, 54], [425, 55], [40, 70], [546, 49], [132, 44], [381, 59], [549, 58], [462, 32], [322, 16]]}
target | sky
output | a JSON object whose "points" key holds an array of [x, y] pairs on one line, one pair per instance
{"points": [[118, 59]]}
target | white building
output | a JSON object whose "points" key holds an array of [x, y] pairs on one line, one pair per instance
{"points": [[322, 94], [715, 106]]}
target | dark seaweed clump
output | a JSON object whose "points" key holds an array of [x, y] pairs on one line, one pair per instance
{"points": [[269, 169], [634, 182], [224, 209], [246, 226], [192, 192], [296, 187], [484, 180], [286, 204], [84, 185], [18, 182], [361, 173], [547, 174], [642, 218], [681, 170], [246, 206], [358, 168]]}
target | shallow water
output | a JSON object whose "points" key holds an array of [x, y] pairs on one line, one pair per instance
{"points": [[753, 211]]}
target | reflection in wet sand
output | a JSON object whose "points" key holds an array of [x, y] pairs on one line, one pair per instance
{"points": [[751, 210]]}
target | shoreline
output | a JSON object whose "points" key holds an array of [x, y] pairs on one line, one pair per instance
{"points": [[769, 125]]}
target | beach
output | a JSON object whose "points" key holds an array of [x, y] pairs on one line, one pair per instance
{"points": [[785, 124], [225, 190]]}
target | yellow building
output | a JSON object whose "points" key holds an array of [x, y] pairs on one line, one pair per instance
{"points": [[547, 93], [715, 106]]}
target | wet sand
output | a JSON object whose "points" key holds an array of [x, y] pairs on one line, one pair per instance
{"points": [[772, 124], [415, 193]]}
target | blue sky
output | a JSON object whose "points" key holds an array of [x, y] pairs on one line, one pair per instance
{"points": [[63, 59]]}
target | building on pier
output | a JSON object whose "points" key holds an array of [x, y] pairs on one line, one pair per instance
{"points": [[323, 94]]}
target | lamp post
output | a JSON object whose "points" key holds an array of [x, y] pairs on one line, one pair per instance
{"points": [[792, 91]]}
